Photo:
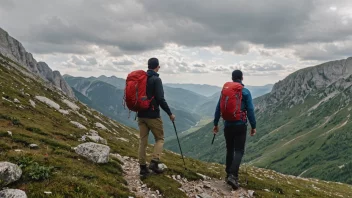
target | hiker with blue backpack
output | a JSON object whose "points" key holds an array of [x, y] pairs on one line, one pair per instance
{"points": [[235, 106]]}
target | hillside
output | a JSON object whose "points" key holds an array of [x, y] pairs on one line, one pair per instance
{"points": [[56, 125], [304, 126]]}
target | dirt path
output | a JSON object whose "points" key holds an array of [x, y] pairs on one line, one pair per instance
{"points": [[207, 188]]}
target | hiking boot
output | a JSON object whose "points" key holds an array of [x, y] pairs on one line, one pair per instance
{"points": [[233, 182], [226, 178], [154, 166], [144, 171]]}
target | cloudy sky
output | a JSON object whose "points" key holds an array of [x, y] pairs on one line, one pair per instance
{"points": [[196, 41]]}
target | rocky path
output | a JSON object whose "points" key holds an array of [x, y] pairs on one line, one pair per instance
{"points": [[135, 184], [207, 188]]}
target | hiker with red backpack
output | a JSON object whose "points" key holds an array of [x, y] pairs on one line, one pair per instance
{"points": [[144, 94], [235, 106]]}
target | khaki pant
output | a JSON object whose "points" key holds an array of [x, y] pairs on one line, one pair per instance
{"points": [[156, 126]]}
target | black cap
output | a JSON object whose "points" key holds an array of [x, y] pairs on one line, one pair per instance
{"points": [[153, 63], [237, 75]]}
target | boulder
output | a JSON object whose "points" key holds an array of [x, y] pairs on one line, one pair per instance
{"points": [[100, 126], [12, 193], [9, 173], [32, 103], [78, 125], [70, 104], [96, 153]]}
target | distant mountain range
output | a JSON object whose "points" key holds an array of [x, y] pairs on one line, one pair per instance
{"points": [[106, 93], [205, 90]]}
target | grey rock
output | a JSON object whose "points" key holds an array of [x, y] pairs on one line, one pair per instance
{"points": [[12, 193], [204, 195], [93, 132], [207, 186], [9, 172], [204, 176], [251, 193], [16, 101], [33, 146], [32, 103], [97, 139], [61, 83], [9, 133], [117, 156], [96, 153]]}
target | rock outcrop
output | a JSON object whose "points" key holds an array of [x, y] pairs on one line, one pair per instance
{"points": [[296, 87], [14, 50]]}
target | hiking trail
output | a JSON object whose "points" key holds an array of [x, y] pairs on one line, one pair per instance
{"points": [[207, 188]]}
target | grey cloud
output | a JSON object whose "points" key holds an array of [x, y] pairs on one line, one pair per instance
{"points": [[268, 66], [199, 65], [124, 62], [114, 68], [220, 69], [44, 48], [174, 65], [134, 26], [6, 4], [83, 61], [92, 61], [85, 68], [322, 52]]}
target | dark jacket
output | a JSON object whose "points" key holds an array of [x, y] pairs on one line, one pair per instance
{"points": [[247, 105], [155, 88]]}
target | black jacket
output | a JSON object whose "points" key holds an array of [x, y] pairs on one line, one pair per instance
{"points": [[155, 88]]}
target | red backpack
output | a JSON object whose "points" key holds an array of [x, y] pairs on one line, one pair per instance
{"points": [[136, 91], [231, 102]]}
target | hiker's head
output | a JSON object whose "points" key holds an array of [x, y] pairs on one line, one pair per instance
{"points": [[237, 75], [153, 64]]}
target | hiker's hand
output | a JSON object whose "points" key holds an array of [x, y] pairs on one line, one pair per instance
{"points": [[216, 129], [253, 132], [172, 117]]}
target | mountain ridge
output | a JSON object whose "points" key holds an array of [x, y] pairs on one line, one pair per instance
{"points": [[13, 49]]}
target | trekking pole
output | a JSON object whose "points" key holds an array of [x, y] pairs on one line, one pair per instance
{"points": [[212, 142], [184, 163]]}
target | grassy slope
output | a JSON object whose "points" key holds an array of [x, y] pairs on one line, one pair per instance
{"points": [[74, 176]]}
